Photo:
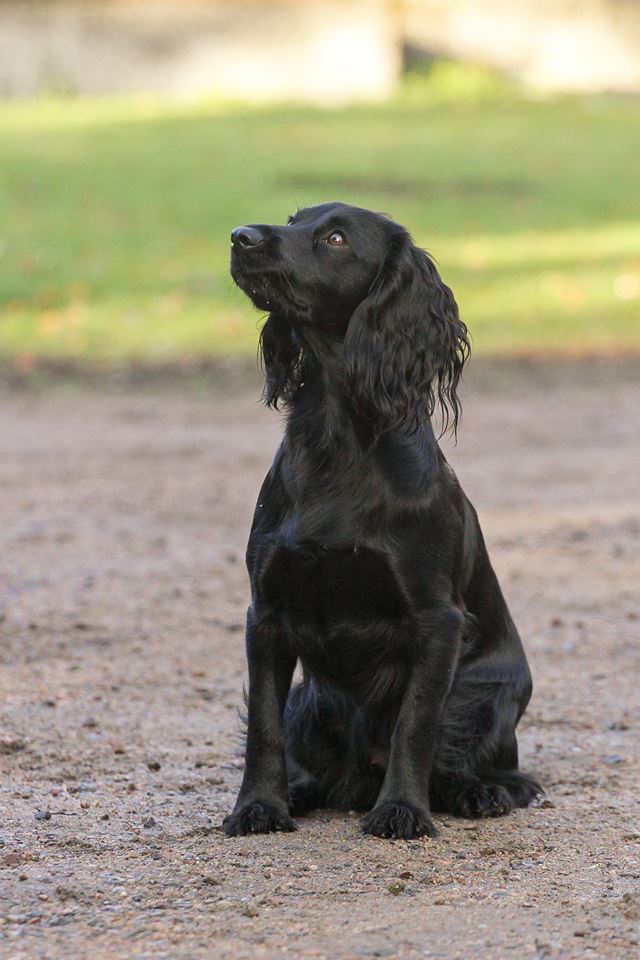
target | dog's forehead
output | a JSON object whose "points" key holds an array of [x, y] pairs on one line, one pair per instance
{"points": [[319, 211], [322, 211]]}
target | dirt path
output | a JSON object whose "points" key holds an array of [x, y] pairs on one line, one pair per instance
{"points": [[123, 593]]}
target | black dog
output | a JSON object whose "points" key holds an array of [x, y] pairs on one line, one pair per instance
{"points": [[366, 559]]}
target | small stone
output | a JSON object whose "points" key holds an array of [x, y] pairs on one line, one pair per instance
{"points": [[153, 765], [249, 910], [85, 786], [65, 894], [11, 745], [42, 815], [149, 822], [396, 887]]}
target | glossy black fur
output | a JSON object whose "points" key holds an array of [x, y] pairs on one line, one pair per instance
{"points": [[366, 559]]}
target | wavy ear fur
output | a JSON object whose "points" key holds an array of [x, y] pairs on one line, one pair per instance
{"points": [[406, 345], [281, 359]]}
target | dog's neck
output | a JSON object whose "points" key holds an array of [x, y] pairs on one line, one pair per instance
{"points": [[321, 409], [325, 423]]}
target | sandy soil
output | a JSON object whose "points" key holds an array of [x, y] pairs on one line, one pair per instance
{"points": [[124, 516]]}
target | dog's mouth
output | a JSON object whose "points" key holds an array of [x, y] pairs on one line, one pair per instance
{"points": [[269, 289], [258, 286]]}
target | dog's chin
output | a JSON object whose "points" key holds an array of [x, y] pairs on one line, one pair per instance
{"points": [[261, 299], [268, 290], [259, 288]]}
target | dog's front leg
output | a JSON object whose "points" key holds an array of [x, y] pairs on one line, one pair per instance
{"points": [[261, 806], [402, 808]]}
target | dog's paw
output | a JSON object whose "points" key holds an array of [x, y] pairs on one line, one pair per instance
{"points": [[398, 820], [495, 798], [483, 800], [257, 816]]}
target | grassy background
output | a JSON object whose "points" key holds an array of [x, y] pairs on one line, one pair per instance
{"points": [[115, 215]]}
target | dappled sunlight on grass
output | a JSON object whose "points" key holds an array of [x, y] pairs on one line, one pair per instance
{"points": [[615, 241], [114, 329], [573, 291], [50, 113], [115, 214]]}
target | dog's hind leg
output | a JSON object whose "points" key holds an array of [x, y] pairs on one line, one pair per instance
{"points": [[476, 767], [476, 770], [301, 746], [304, 789], [328, 764]]}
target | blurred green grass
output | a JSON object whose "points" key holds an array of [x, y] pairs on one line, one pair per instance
{"points": [[115, 215]]}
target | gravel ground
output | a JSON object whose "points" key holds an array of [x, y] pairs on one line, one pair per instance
{"points": [[124, 515]]}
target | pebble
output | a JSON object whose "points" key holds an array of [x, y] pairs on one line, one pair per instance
{"points": [[11, 745], [396, 887]]}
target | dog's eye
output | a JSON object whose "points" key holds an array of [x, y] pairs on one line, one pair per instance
{"points": [[336, 239], [290, 222]]}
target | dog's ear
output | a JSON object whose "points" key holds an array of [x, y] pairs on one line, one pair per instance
{"points": [[281, 359], [406, 344]]}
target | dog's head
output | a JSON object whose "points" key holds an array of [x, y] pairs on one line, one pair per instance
{"points": [[353, 278]]}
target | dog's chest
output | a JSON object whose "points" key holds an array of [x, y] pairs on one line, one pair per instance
{"points": [[328, 584], [342, 608]]}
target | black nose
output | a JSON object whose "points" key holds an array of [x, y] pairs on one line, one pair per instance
{"points": [[246, 237]]}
